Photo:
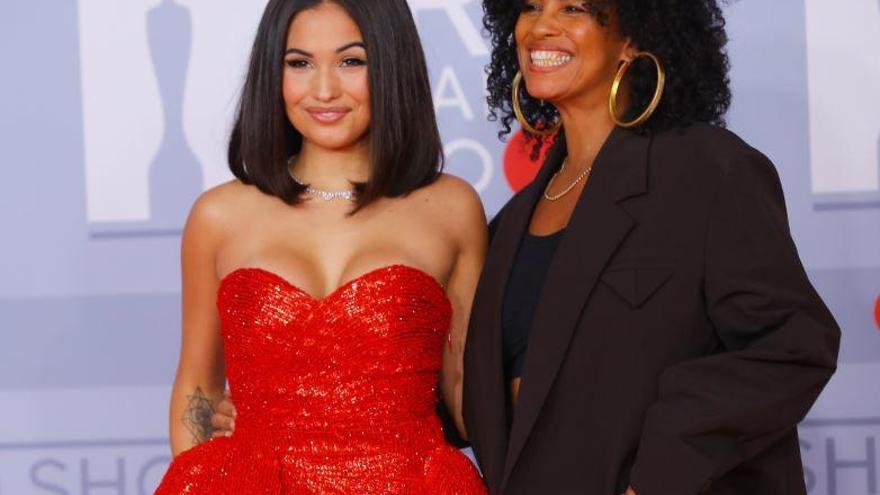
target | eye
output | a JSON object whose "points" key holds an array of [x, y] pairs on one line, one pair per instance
{"points": [[297, 63], [574, 9], [529, 7], [353, 62]]}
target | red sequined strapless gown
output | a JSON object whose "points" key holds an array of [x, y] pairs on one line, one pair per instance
{"points": [[334, 396]]}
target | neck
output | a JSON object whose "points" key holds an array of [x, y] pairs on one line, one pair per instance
{"points": [[587, 127], [332, 169]]}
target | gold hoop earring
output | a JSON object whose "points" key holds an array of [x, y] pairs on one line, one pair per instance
{"points": [[517, 111], [655, 101]]}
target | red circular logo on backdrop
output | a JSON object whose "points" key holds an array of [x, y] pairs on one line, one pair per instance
{"points": [[877, 312], [519, 169]]}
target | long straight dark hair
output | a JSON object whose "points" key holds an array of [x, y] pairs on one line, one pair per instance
{"points": [[406, 152]]}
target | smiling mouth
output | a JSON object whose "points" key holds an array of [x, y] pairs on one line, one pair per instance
{"points": [[549, 58]]}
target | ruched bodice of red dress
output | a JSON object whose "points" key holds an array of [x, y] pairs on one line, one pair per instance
{"points": [[334, 395]]}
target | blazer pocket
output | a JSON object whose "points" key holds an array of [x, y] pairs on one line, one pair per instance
{"points": [[636, 285]]}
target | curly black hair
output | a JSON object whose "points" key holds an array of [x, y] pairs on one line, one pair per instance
{"points": [[688, 36]]}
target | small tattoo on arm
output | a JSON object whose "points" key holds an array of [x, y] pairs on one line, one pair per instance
{"points": [[197, 416]]}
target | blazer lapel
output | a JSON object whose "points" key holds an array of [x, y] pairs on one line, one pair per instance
{"points": [[485, 385], [598, 225]]}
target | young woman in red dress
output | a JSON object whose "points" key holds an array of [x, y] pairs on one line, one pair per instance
{"points": [[330, 283]]}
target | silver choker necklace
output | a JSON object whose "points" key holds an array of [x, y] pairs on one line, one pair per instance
{"points": [[347, 194]]}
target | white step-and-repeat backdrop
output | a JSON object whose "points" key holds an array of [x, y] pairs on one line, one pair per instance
{"points": [[114, 116]]}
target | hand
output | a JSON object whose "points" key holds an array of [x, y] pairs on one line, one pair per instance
{"points": [[223, 419]]}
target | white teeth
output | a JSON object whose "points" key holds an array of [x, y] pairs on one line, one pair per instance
{"points": [[547, 58]]}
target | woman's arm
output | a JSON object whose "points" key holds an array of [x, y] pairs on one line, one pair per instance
{"points": [[466, 214], [200, 378]]}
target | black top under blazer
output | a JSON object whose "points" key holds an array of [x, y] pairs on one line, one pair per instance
{"points": [[677, 342]]}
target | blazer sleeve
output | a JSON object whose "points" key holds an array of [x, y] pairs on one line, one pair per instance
{"points": [[496, 221], [779, 344]]}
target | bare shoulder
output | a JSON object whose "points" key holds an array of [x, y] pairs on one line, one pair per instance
{"points": [[217, 209], [454, 196], [453, 205]]}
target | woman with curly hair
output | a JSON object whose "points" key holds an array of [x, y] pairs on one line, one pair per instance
{"points": [[642, 323]]}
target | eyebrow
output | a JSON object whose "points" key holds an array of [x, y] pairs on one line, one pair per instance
{"points": [[338, 50]]}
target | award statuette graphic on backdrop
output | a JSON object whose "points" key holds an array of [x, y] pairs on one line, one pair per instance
{"points": [[175, 172]]}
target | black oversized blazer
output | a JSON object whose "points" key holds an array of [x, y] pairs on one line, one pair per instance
{"points": [[677, 342]]}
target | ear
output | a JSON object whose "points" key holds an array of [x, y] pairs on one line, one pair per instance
{"points": [[628, 51]]}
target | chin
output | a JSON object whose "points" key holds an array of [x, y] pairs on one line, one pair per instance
{"points": [[546, 86], [546, 92], [333, 140]]}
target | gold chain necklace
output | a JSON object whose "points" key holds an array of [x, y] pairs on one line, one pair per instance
{"points": [[568, 189]]}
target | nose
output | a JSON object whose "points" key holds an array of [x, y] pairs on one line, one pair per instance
{"points": [[326, 84], [545, 25]]}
